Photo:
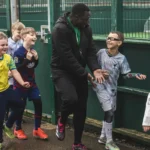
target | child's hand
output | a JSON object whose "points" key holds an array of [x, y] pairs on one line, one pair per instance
{"points": [[9, 74], [146, 128], [29, 55], [140, 76], [35, 54], [105, 74], [26, 84], [91, 79]]}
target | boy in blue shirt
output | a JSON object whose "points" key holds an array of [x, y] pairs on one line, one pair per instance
{"points": [[26, 59]]}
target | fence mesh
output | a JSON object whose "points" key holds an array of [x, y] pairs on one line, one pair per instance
{"points": [[100, 20], [3, 15], [33, 13], [136, 19], [136, 15]]}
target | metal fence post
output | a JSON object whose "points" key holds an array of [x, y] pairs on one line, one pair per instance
{"points": [[117, 25], [117, 15], [8, 18], [14, 11], [50, 25]]}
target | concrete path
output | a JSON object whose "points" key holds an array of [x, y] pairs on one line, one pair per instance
{"points": [[52, 144]]}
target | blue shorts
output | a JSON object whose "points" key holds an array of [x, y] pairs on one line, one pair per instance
{"points": [[32, 93]]}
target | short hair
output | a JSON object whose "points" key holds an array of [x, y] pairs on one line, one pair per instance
{"points": [[3, 36], [17, 25], [79, 9], [27, 30], [120, 35]]}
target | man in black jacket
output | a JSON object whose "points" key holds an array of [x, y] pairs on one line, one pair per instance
{"points": [[73, 49]]}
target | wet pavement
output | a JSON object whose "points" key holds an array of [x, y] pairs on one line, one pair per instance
{"points": [[90, 140]]}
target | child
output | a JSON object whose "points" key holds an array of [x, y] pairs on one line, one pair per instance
{"points": [[7, 95], [115, 63], [26, 59], [14, 42], [146, 118]]}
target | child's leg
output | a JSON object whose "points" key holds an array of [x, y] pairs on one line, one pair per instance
{"points": [[17, 106], [109, 106], [108, 124], [22, 96], [108, 118], [38, 132], [103, 130], [19, 120], [6, 113], [102, 138], [2, 114], [7, 107], [34, 95], [105, 102], [37, 113], [108, 130], [1, 131]]}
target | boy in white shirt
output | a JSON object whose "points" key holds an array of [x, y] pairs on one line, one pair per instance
{"points": [[115, 63], [14, 42]]}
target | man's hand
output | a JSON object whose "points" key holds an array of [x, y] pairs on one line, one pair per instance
{"points": [[141, 76], [35, 54], [26, 84], [100, 75], [29, 55], [146, 128], [91, 79]]}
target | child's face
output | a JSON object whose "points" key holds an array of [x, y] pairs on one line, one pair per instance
{"points": [[113, 41], [16, 35], [3, 46], [30, 39]]}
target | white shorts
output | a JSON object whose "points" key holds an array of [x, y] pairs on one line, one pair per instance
{"points": [[107, 101]]}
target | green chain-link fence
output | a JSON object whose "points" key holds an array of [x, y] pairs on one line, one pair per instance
{"points": [[33, 13], [3, 24], [135, 18], [135, 15], [101, 13]]}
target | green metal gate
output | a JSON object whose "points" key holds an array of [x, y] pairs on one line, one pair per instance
{"points": [[5, 16]]}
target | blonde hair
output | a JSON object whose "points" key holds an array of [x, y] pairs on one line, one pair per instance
{"points": [[17, 25], [27, 30], [3, 36]]}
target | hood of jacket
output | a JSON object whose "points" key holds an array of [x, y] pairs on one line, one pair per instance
{"points": [[63, 19]]}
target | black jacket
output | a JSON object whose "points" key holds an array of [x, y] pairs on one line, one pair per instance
{"points": [[67, 55]]}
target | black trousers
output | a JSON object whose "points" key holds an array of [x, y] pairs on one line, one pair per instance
{"points": [[73, 92]]}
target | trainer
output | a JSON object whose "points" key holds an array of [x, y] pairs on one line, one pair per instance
{"points": [[73, 49]]}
